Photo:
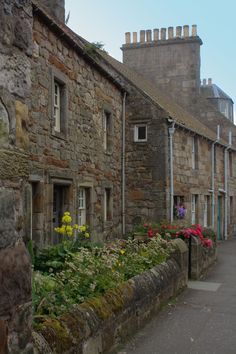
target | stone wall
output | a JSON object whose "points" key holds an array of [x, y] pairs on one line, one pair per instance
{"points": [[198, 181], [146, 162], [77, 157], [202, 258], [101, 324], [173, 63], [15, 82]]}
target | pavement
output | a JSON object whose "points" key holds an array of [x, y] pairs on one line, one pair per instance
{"points": [[202, 320]]}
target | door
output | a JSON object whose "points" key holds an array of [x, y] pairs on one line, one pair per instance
{"points": [[59, 196]]}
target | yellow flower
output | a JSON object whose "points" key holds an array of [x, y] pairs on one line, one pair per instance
{"points": [[86, 234], [82, 228], [76, 226], [122, 251], [66, 219], [67, 213]]}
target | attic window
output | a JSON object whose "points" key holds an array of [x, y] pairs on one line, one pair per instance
{"points": [[140, 133]]}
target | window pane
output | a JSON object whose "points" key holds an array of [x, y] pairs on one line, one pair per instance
{"points": [[142, 133]]}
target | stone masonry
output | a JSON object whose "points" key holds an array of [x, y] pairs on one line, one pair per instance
{"points": [[15, 85]]}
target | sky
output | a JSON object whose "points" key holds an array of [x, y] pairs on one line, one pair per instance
{"points": [[107, 21]]}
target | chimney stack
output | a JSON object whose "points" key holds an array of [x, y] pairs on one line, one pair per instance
{"points": [[56, 8]]}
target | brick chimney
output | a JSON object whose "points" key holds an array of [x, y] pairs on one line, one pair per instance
{"points": [[56, 8], [169, 57]]}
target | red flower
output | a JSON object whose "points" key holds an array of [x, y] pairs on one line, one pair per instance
{"points": [[150, 233]]}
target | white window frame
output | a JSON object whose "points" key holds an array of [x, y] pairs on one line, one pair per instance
{"points": [[205, 211], [57, 107], [107, 129], [193, 209], [136, 132], [82, 206]]}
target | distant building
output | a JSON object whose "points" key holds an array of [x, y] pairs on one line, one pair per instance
{"points": [[217, 97]]}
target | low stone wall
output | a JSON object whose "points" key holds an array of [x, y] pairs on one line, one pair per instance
{"points": [[99, 325], [201, 258]]}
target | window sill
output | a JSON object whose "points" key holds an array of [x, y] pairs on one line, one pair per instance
{"points": [[108, 224], [59, 135]]}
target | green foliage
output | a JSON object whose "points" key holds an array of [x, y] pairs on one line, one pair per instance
{"points": [[92, 48], [69, 276], [209, 233]]}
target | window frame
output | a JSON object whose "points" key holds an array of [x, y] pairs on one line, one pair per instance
{"points": [[107, 130], [107, 205], [59, 129], [194, 201], [136, 133]]}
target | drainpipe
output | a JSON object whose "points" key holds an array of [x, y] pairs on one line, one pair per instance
{"points": [[226, 186], [213, 177], [123, 163], [171, 133]]}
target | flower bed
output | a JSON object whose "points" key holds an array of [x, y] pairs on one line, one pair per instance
{"points": [[71, 272], [100, 324]]}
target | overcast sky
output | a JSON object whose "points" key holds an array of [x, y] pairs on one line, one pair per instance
{"points": [[106, 21]]}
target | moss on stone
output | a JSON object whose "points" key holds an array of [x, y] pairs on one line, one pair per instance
{"points": [[56, 335]]}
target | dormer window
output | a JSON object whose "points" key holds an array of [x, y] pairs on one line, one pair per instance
{"points": [[140, 133]]}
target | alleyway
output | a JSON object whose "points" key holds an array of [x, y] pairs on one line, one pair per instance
{"points": [[202, 320]]}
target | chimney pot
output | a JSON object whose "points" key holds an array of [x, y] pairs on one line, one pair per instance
{"points": [[156, 34], [149, 35], [186, 31], [179, 31], [142, 36], [204, 82], [194, 30], [127, 38], [135, 37], [170, 32], [163, 33], [209, 82]]}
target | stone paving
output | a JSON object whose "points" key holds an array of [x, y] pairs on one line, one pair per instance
{"points": [[202, 320]]}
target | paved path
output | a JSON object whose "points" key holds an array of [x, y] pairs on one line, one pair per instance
{"points": [[203, 318]]}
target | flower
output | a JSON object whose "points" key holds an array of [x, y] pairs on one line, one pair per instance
{"points": [[86, 234], [122, 252]]}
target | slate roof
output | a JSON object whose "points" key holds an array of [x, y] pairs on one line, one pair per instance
{"points": [[175, 111], [214, 91]]}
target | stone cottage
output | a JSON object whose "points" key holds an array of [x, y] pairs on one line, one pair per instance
{"points": [[116, 144]]}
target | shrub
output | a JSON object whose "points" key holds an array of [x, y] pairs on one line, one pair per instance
{"points": [[69, 278]]}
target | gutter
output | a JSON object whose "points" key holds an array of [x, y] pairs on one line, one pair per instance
{"points": [[213, 177], [226, 187], [171, 131], [123, 162]]}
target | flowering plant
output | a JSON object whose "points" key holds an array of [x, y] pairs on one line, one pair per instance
{"points": [[195, 230], [180, 211], [70, 230]]}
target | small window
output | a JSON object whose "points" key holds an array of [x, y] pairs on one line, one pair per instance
{"points": [[107, 131], [107, 205], [193, 209], [57, 109], [84, 206], [140, 133], [206, 211], [59, 104]]}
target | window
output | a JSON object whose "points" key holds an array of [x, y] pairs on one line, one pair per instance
{"points": [[107, 131], [194, 153], [140, 133], [60, 205], [206, 211], [107, 205], [57, 107], [84, 197], [194, 209], [59, 104]]}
